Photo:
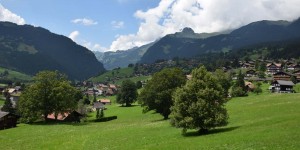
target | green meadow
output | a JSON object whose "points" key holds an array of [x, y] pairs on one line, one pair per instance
{"points": [[266, 121], [15, 76]]}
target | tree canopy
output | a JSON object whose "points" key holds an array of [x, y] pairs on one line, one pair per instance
{"points": [[239, 88], [157, 94], [199, 104], [128, 93], [50, 93]]}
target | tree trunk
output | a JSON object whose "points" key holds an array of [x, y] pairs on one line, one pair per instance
{"points": [[45, 117], [166, 117]]}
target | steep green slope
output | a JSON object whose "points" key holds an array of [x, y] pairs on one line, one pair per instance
{"points": [[31, 49], [112, 60], [14, 76]]}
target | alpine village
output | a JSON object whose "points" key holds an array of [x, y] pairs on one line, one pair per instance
{"points": [[231, 89]]}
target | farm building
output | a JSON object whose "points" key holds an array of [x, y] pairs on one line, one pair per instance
{"points": [[8, 120], [105, 101], [282, 86], [283, 76], [73, 116]]}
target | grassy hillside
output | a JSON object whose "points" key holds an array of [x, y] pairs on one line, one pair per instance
{"points": [[267, 121], [14, 75], [116, 76]]}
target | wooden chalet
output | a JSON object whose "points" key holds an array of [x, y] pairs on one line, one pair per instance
{"points": [[8, 120], [283, 76], [73, 116], [247, 65], [273, 68], [281, 86], [293, 67], [297, 73], [251, 73]]}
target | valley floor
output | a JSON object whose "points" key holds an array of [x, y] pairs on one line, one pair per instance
{"points": [[267, 121]]}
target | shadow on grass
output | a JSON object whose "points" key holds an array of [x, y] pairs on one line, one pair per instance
{"points": [[213, 131], [160, 120], [59, 123], [133, 105], [105, 119]]}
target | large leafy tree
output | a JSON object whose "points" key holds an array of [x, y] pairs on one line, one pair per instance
{"points": [[157, 94], [51, 92], [199, 104], [128, 93]]}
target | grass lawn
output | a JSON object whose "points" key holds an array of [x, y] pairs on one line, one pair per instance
{"points": [[267, 121]]}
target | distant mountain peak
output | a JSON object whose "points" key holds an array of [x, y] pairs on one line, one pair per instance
{"points": [[188, 30]]}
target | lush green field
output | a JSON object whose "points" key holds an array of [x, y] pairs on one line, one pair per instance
{"points": [[16, 76], [267, 121]]}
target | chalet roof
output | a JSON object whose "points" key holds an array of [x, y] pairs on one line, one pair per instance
{"points": [[276, 64], [283, 82], [2, 114], [104, 100], [11, 90], [281, 72], [62, 116]]}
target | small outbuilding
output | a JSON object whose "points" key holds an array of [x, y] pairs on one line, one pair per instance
{"points": [[105, 101], [8, 120], [282, 86], [73, 116]]}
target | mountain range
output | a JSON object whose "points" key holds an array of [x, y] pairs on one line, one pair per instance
{"points": [[187, 43], [30, 49]]}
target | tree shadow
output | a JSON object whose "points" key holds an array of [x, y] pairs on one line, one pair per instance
{"points": [[133, 105], [160, 120], [59, 123], [213, 131], [105, 119]]}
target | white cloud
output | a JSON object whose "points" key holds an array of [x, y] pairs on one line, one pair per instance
{"points": [[84, 21], [73, 35], [203, 16], [117, 24], [6, 15], [89, 45], [93, 46]]}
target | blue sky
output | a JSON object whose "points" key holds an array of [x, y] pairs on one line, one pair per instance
{"points": [[103, 25]]}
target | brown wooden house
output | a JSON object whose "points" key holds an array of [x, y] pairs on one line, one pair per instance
{"points": [[297, 73], [283, 76], [273, 68], [251, 73], [282, 86], [8, 120]]}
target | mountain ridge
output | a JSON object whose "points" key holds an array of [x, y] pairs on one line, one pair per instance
{"points": [[170, 46], [31, 49]]}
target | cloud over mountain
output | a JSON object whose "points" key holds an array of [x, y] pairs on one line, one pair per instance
{"points": [[203, 16], [7, 15]]}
